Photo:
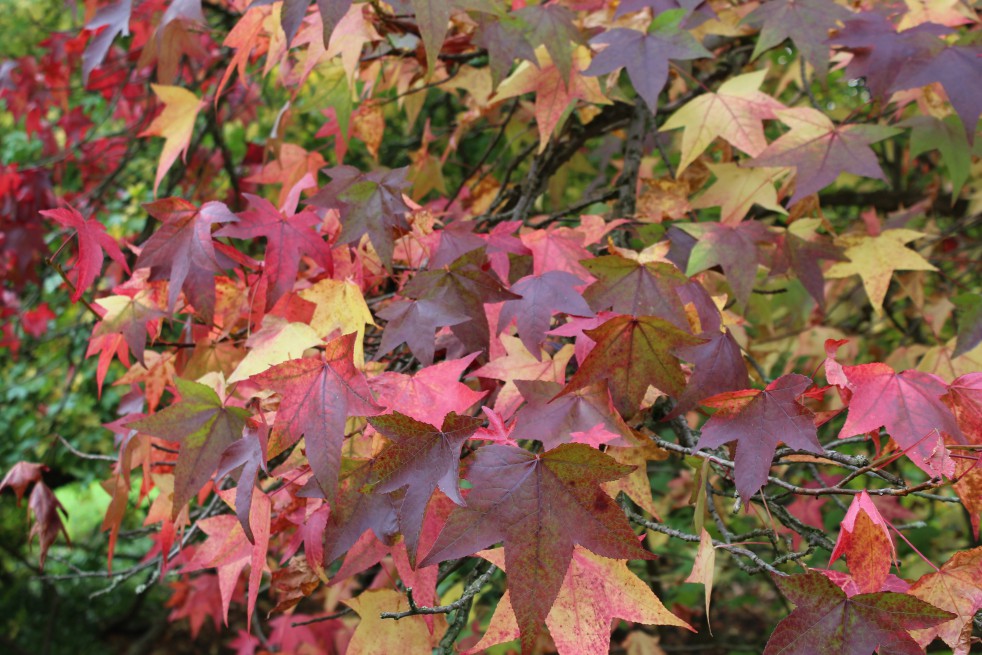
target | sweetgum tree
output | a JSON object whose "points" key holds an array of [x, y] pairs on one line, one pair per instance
{"points": [[434, 325]]}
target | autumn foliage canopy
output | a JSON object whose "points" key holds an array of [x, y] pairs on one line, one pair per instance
{"points": [[432, 325]]}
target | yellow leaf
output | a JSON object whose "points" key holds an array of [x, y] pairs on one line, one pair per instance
{"points": [[277, 342], [378, 636], [736, 189], [703, 569], [875, 258], [340, 306], [175, 124], [595, 590]]}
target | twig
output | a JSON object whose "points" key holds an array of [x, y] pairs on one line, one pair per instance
{"points": [[465, 598], [336, 615], [79, 453]]}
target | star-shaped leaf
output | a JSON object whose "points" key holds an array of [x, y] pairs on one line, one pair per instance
{"points": [[541, 297], [630, 286], [825, 620], [737, 189], [736, 112], [820, 150], [414, 322], [318, 394], [957, 588], [805, 22], [175, 123], [801, 250], [541, 506], [595, 591], [631, 354], [204, 426], [369, 203], [875, 258], [93, 244], [419, 458], [909, 406], [646, 55], [734, 248], [554, 92], [288, 238], [552, 420], [182, 251], [758, 421], [430, 393]]}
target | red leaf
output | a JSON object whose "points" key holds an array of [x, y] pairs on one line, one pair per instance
{"points": [[318, 395], [183, 252], [288, 238], [92, 240], [909, 406], [541, 297], [540, 506]]}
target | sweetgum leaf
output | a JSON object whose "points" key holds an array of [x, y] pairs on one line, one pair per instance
{"points": [[631, 354], [909, 406], [758, 421], [462, 288], [288, 238], [369, 203], [826, 622], [552, 420], [318, 394], [957, 587], [541, 297], [182, 251], [805, 22], [541, 506], [595, 591], [646, 56], [628, 286], [204, 426], [354, 512], [93, 244], [821, 150], [419, 458]]}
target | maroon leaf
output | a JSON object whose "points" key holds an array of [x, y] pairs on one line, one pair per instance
{"points": [[354, 512], [20, 476], [552, 420], [183, 252], [734, 248], [880, 53], [805, 22], [47, 519], [414, 323], [243, 459], [820, 150], [463, 287], [626, 286], [631, 354], [541, 297], [646, 56], [826, 621], [758, 421], [419, 459], [369, 203], [540, 506]]}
